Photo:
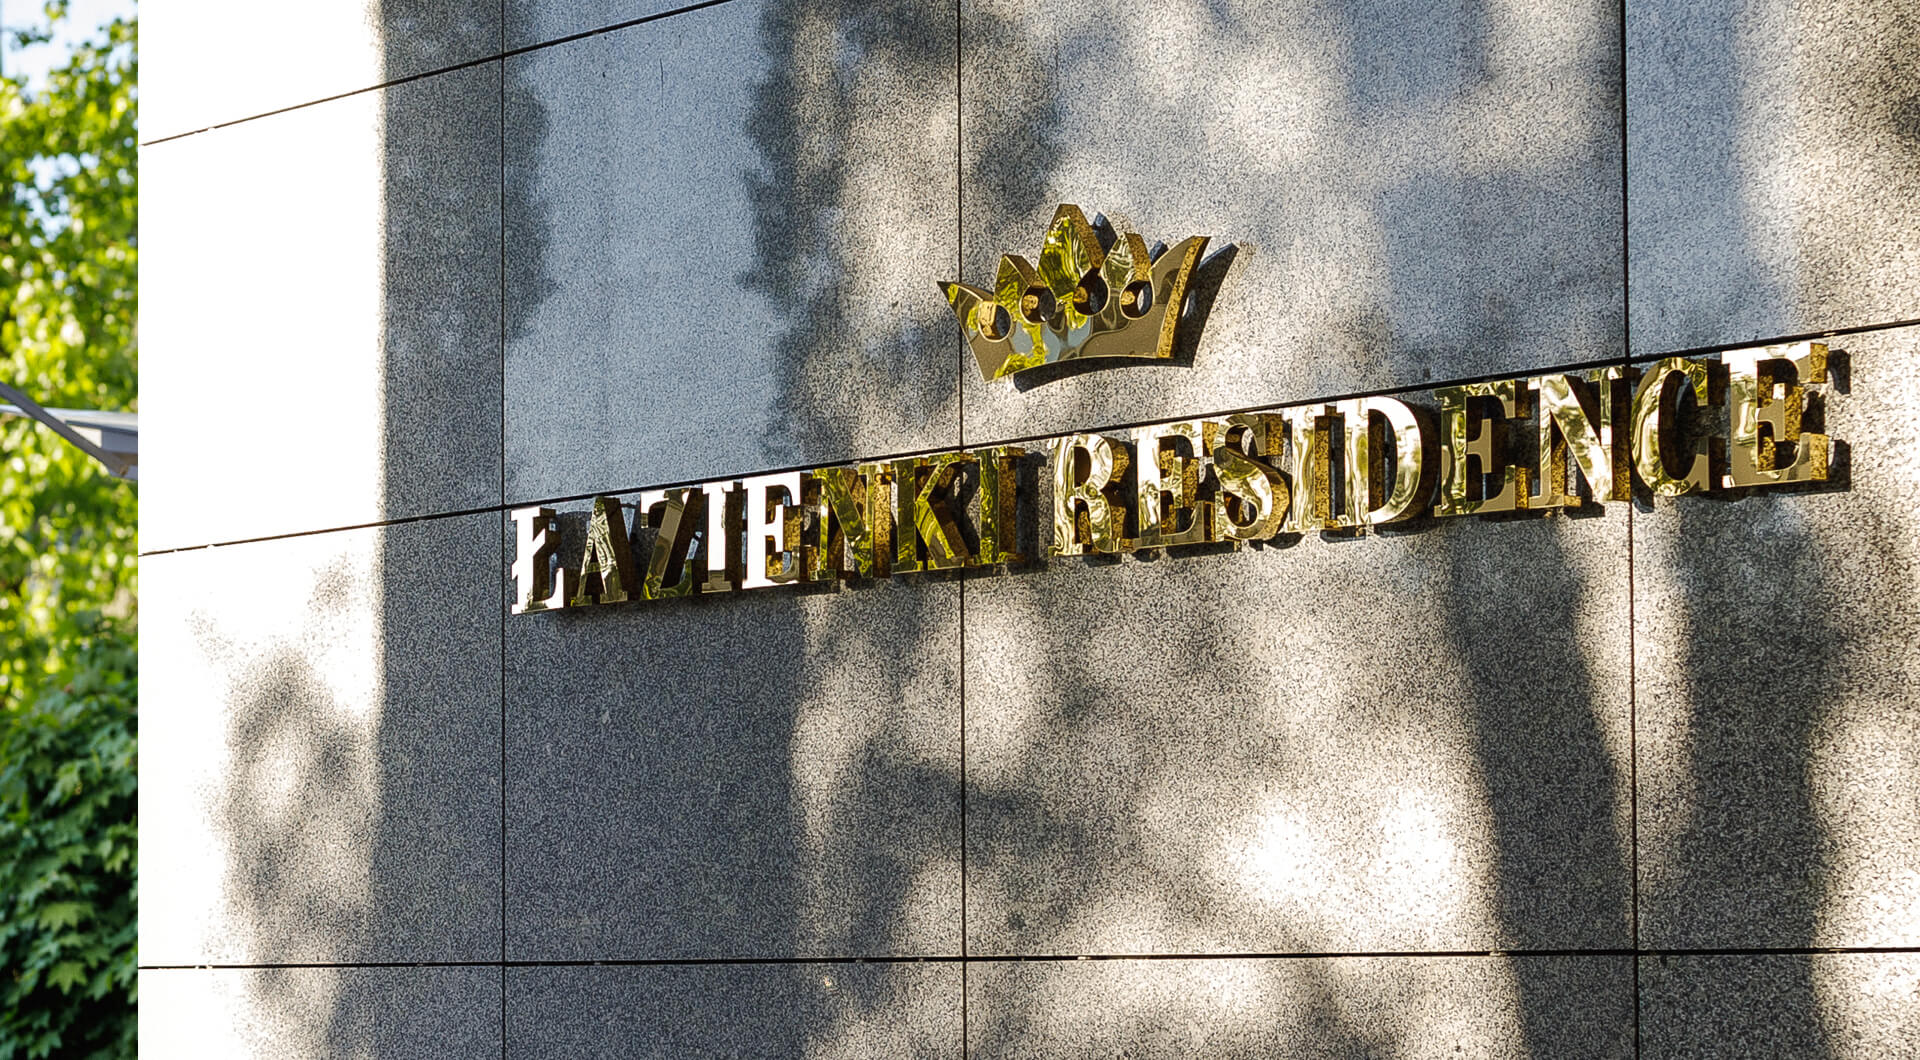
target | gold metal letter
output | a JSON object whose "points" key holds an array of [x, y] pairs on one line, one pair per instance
{"points": [[923, 512], [1575, 414], [999, 504], [607, 566], [1310, 465], [1657, 433], [774, 518], [721, 543], [1168, 485], [1085, 515], [849, 506], [1461, 489], [672, 544], [1377, 493], [536, 536], [1758, 397], [1253, 492]]}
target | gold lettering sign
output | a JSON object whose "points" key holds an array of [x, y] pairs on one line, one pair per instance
{"points": [[999, 504], [1087, 512], [1541, 445], [536, 587], [847, 507], [720, 542], [1309, 433], [924, 516], [1254, 501], [1766, 406], [1668, 463], [606, 571], [1476, 449], [1381, 491], [672, 514], [1575, 415], [1172, 458], [773, 522]]}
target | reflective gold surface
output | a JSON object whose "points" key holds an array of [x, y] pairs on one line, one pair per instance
{"points": [[1309, 466], [1254, 500], [880, 512], [1081, 302], [536, 536], [1475, 447], [1088, 513], [675, 530], [1576, 416], [720, 542], [1659, 442], [844, 501], [1170, 459], [1381, 491], [607, 570], [1765, 404], [772, 534], [904, 477], [999, 522], [924, 513]]}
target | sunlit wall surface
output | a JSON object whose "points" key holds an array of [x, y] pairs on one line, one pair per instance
{"points": [[1642, 783]]}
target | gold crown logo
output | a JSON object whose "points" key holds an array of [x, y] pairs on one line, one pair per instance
{"points": [[1083, 301]]}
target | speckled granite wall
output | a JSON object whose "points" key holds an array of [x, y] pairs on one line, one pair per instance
{"points": [[1639, 784]]}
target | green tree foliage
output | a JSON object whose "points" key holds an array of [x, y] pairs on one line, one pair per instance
{"points": [[67, 556], [67, 320], [67, 845]]}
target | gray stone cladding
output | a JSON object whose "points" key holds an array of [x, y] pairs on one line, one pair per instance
{"points": [[1636, 783]]}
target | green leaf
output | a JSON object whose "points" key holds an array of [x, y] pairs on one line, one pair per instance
{"points": [[66, 975], [62, 914]]}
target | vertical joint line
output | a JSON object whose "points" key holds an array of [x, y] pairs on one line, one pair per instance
{"points": [[960, 403], [959, 211], [500, 229], [1633, 644]]}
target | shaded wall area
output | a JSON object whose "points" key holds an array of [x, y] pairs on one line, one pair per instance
{"points": [[1636, 783]]}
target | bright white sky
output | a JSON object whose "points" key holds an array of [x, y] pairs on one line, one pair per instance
{"points": [[84, 17]]}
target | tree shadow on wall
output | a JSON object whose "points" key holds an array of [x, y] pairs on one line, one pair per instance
{"points": [[357, 806], [1539, 718], [361, 805], [1745, 858], [709, 693], [814, 126]]}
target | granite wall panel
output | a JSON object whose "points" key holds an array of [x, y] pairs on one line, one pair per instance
{"points": [[530, 23], [1398, 193], [767, 775], [321, 749], [321, 338], [1847, 1006], [724, 231], [1567, 1008], [1772, 178], [1779, 729], [276, 55], [414, 1013], [826, 1011], [1409, 741]]}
